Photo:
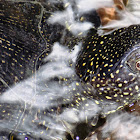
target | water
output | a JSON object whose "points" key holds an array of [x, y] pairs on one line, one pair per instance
{"points": [[49, 104]]}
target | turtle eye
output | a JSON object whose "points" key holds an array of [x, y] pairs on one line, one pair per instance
{"points": [[132, 60], [138, 65]]}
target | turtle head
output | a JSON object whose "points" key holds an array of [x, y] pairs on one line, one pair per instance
{"points": [[110, 64]]}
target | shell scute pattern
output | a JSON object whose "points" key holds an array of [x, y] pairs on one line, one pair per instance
{"points": [[25, 39]]}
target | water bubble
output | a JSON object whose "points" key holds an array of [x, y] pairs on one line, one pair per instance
{"points": [[77, 138]]}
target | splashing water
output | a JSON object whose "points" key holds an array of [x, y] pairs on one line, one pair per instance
{"points": [[48, 102]]}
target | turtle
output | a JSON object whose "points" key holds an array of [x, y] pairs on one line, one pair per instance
{"points": [[23, 34], [26, 38], [109, 65]]}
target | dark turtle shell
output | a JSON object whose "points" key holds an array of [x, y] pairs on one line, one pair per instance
{"points": [[25, 39]]}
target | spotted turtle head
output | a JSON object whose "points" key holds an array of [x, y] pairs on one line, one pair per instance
{"points": [[110, 64]]}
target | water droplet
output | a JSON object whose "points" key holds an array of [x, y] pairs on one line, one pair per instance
{"points": [[77, 138]]}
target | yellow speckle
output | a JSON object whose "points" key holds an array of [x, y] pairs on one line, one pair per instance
{"points": [[115, 95], [98, 85], [118, 79], [80, 33], [111, 65], [21, 72], [122, 96], [117, 71], [83, 99], [91, 58], [97, 66], [121, 66], [72, 105], [84, 64], [130, 89], [108, 97], [120, 85], [94, 50], [43, 122], [91, 63], [136, 87], [126, 93], [112, 76], [3, 61], [101, 42], [108, 88], [120, 30], [77, 84], [101, 81], [114, 33], [104, 74], [41, 132], [120, 107], [115, 89], [125, 81], [96, 102], [89, 88], [105, 65], [93, 80], [85, 91], [86, 78], [82, 19], [77, 101]]}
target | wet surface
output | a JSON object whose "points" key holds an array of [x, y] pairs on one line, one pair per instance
{"points": [[48, 88]]}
